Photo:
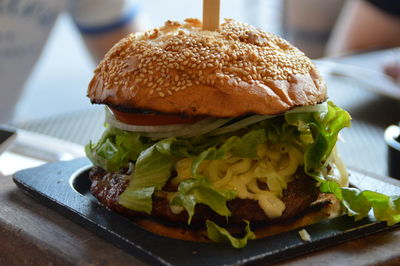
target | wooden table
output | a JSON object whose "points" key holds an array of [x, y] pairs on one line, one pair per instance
{"points": [[32, 234]]}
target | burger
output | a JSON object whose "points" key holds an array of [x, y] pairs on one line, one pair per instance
{"points": [[220, 132]]}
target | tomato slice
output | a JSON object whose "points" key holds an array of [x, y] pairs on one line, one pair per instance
{"points": [[152, 119]]}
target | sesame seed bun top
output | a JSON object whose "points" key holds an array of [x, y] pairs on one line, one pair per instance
{"points": [[182, 69]]}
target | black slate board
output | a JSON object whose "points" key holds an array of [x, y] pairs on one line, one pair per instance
{"points": [[64, 187]]}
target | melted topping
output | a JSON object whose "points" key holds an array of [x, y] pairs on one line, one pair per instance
{"points": [[274, 169]]}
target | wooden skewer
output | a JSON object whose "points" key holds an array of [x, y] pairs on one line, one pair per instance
{"points": [[211, 14]]}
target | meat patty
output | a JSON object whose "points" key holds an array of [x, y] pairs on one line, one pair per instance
{"points": [[300, 193]]}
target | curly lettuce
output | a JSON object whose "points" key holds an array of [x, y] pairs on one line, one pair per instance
{"points": [[324, 128], [219, 234], [116, 149], [199, 190], [359, 203], [152, 170]]}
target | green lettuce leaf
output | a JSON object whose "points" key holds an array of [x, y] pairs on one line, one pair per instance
{"points": [[199, 190], [153, 160], [220, 234], [116, 149], [151, 172], [358, 203], [245, 147], [313, 133], [137, 199], [324, 128]]}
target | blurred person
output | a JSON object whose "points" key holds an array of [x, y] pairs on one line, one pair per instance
{"points": [[26, 24], [366, 25]]}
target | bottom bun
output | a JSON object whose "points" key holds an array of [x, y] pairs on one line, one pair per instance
{"points": [[326, 207]]}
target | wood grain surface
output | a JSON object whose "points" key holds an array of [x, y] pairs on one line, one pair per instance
{"points": [[32, 234]]}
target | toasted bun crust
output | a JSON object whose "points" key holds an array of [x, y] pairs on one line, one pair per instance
{"points": [[181, 69], [327, 207]]}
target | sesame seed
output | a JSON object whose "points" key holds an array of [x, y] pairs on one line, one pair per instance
{"points": [[235, 53]]}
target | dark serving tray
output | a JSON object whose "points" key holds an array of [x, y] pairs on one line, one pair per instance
{"points": [[64, 187]]}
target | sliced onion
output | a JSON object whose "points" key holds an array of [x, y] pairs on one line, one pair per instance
{"points": [[164, 131], [240, 124], [322, 107], [189, 131], [207, 128], [209, 125]]}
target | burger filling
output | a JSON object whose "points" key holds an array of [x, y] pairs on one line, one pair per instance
{"points": [[216, 162]]}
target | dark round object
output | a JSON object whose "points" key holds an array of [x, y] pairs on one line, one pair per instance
{"points": [[392, 138]]}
